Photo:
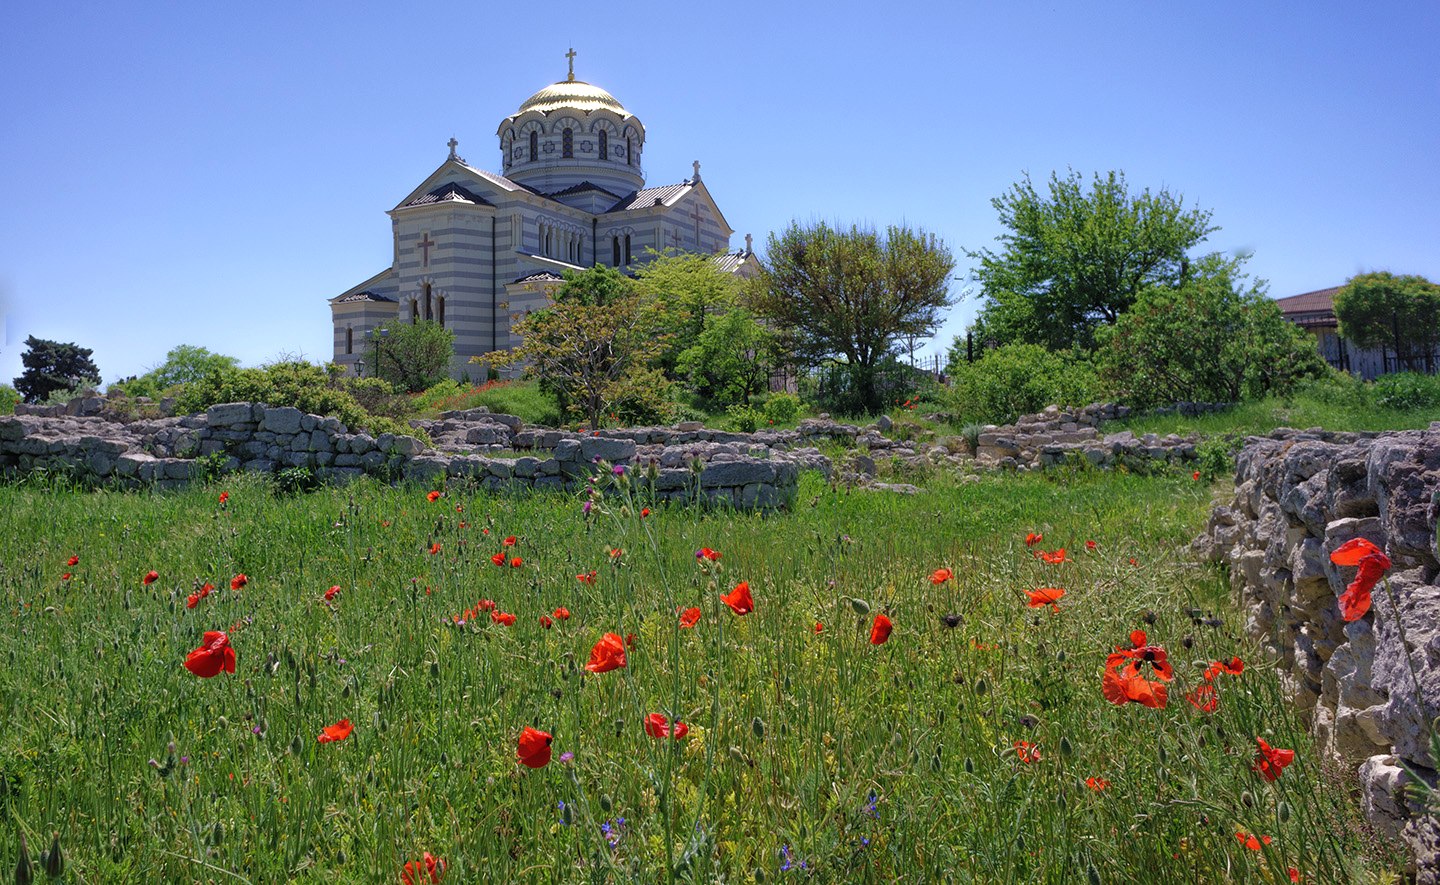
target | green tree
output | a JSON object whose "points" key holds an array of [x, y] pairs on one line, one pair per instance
{"points": [[1073, 261], [853, 294], [412, 356], [1015, 379], [592, 349], [731, 360], [184, 364], [1216, 337], [53, 366], [1401, 313], [9, 396], [686, 290]]}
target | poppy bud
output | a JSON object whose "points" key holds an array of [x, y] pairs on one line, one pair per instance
{"points": [[1065, 747], [340, 858], [738, 755], [434, 668], [969, 765], [605, 803], [1060, 656], [860, 606], [980, 686], [758, 727], [22, 866], [1247, 799], [444, 758], [935, 760], [1164, 756], [1020, 841], [1060, 800], [217, 834], [1188, 641], [296, 746], [567, 815], [1092, 874], [759, 875]]}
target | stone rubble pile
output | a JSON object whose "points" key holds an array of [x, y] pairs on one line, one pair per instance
{"points": [[1299, 495], [1059, 436]]}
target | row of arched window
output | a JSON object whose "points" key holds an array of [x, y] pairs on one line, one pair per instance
{"points": [[562, 244], [615, 243], [431, 307], [567, 145]]}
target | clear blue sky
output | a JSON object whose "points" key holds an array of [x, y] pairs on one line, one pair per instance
{"points": [[210, 174]]}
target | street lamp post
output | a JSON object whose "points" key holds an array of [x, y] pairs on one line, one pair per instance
{"points": [[359, 368]]}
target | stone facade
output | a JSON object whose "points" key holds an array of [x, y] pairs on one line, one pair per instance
{"points": [[1299, 495], [473, 249]]}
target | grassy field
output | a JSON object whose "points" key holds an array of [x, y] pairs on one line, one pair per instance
{"points": [[1303, 411], [978, 752]]}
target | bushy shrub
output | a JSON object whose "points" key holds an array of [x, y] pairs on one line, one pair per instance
{"points": [[782, 407], [743, 419], [837, 387], [1406, 390], [1016, 379], [1336, 388], [9, 396]]}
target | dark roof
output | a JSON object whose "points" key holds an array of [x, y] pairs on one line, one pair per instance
{"points": [[362, 296], [644, 199], [451, 192], [1319, 301], [581, 188], [539, 276]]}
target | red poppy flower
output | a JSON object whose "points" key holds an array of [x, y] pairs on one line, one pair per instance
{"points": [[1372, 563], [615, 553], [1252, 842], [630, 640], [239, 581], [941, 575], [1055, 557], [1270, 761], [1032, 539], [739, 599], [213, 655], [1294, 874], [707, 553], [608, 654], [499, 558], [658, 726], [1139, 654], [819, 627], [644, 512], [73, 561], [67, 576], [1121, 689], [433, 497], [1098, 784], [1091, 545], [435, 548], [224, 496], [486, 605], [1045, 596], [332, 593], [546, 622], [587, 578], [192, 600], [1028, 752], [562, 613], [1204, 698], [337, 732], [150, 577], [1234, 668], [504, 618], [533, 750], [689, 618], [1133, 562], [430, 866], [516, 562], [1195, 475], [508, 542], [880, 630]]}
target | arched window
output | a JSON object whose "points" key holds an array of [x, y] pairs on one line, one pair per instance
{"points": [[428, 315], [615, 245], [534, 146], [440, 309], [567, 142], [414, 310], [627, 250], [628, 161], [349, 340], [604, 144]]}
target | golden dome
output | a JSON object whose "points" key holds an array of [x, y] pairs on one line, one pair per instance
{"points": [[572, 94]]}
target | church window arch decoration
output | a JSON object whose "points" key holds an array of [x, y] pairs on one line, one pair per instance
{"points": [[534, 145], [629, 159], [414, 310], [567, 142], [349, 339], [440, 309], [627, 250], [604, 143], [615, 247], [429, 315]]}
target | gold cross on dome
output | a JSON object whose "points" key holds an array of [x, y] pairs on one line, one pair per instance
{"points": [[571, 56]]}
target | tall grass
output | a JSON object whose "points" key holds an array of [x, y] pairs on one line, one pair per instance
{"points": [[809, 753]]}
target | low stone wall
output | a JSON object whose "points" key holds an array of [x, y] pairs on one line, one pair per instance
{"points": [[1298, 496], [261, 439], [1056, 436]]}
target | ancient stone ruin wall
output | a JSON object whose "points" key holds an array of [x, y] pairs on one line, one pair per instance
{"points": [[261, 439], [1057, 435], [1299, 496]]}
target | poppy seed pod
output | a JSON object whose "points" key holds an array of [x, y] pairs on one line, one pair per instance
{"points": [[1283, 811], [1247, 799]]}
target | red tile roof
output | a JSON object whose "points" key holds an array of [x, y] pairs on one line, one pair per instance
{"points": [[1319, 301]]}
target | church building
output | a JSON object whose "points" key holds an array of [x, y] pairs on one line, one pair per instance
{"points": [[473, 249]]}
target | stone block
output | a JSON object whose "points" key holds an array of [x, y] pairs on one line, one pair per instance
{"points": [[228, 414], [282, 419], [736, 473], [526, 467]]}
